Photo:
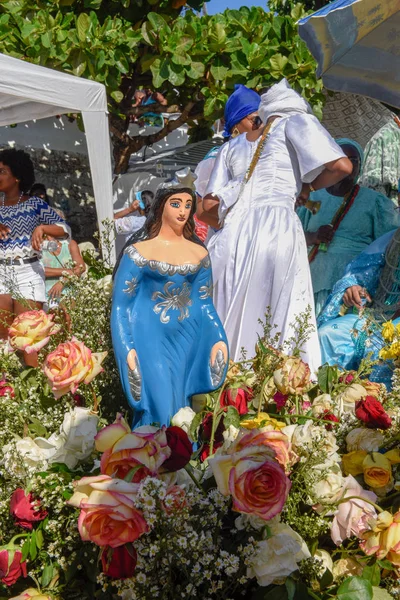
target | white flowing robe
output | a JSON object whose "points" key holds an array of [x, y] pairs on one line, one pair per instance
{"points": [[259, 257]]}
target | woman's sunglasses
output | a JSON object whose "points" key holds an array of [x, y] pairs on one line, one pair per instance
{"points": [[256, 120]]}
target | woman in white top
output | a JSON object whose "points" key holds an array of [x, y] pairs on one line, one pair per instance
{"points": [[259, 257]]}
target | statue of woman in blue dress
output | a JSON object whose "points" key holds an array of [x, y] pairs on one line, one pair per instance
{"points": [[168, 340]]}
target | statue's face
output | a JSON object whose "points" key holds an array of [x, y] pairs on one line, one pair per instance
{"points": [[177, 210]]}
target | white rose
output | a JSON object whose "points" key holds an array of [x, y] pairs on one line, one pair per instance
{"points": [[320, 404], [303, 436], [277, 557], [369, 440], [183, 418], [230, 435], [105, 284], [35, 453], [325, 558], [75, 442], [347, 399], [330, 482], [88, 247]]}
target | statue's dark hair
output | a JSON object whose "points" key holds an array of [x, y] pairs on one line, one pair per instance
{"points": [[153, 223]]}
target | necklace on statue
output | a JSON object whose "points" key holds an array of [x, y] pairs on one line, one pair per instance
{"points": [[3, 200]]}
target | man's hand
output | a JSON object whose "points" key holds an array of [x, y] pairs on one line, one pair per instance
{"points": [[355, 295], [303, 196], [134, 206]]}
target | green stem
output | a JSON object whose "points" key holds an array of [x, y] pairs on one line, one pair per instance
{"points": [[288, 416], [217, 408], [311, 593], [193, 478]]}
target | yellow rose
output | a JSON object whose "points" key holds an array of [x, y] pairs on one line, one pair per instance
{"points": [[262, 420], [388, 331], [31, 593], [353, 462], [377, 470]]}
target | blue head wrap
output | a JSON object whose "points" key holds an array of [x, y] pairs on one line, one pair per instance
{"points": [[240, 104], [356, 145]]}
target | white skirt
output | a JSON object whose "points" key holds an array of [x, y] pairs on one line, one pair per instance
{"points": [[259, 261], [25, 281]]}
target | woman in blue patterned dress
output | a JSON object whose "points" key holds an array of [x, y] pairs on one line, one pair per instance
{"points": [[24, 223]]}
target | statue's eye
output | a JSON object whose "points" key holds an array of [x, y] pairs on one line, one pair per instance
{"points": [[188, 206], [175, 204]]}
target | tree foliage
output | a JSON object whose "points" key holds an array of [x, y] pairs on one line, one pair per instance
{"points": [[194, 60]]}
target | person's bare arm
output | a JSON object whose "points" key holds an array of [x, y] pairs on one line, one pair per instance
{"points": [[334, 172], [76, 256], [127, 211], [202, 215]]}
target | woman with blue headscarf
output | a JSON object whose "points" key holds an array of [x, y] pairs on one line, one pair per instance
{"points": [[349, 219], [241, 132]]}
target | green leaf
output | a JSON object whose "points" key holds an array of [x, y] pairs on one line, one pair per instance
{"points": [[39, 538], [176, 74], [47, 575], [290, 587], [279, 592], [379, 593], [231, 417], [82, 26], [32, 546], [372, 574], [297, 11], [156, 20], [46, 39], [117, 96], [218, 69], [25, 549], [278, 63], [148, 33], [194, 425], [196, 70], [355, 588], [385, 564], [78, 63], [326, 377]]}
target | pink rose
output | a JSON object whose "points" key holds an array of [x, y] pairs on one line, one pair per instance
{"points": [[351, 517], [6, 389], [250, 472], [70, 364], [31, 330], [293, 377], [146, 447], [108, 514]]}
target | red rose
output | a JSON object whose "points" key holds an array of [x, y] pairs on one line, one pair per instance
{"points": [[25, 509], [78, 399], [205, 453], [181, 448], [280, 400], [207, 428], [327, 415], [11, 567], [6, 388], [348, 378], [371, 412], [237, 398], [120, 562]]}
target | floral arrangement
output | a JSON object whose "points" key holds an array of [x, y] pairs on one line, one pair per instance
{"points": [[277, 487]]}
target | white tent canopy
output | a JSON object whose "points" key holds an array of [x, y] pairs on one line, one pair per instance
{"points": [[29, 91]]}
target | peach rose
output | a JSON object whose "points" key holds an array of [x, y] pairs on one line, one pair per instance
{"points": [[383, 538], [271, 439], [251, 473], [293, 377], [31, 331], [108, 514], [70, 364], [144, 449]]}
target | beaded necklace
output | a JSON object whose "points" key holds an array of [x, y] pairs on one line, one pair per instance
{"points": [[260, 147], [3, 200]]}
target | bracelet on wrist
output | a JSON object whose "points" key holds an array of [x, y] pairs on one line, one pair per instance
{"points": [[312, 188]]}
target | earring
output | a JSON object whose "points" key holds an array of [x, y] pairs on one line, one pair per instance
{"points": [[17, 180], [235, 132]]}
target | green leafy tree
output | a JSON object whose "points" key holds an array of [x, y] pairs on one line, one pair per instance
{"points": [[285, 7], [164, 45]]}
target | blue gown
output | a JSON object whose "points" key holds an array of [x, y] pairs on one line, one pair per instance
{"points": [[343, 340], [165, 312]]}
